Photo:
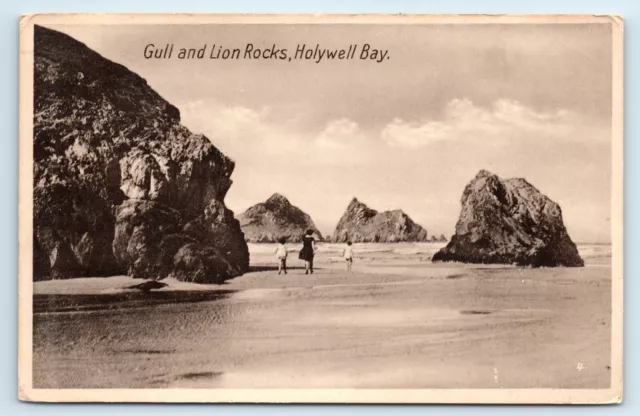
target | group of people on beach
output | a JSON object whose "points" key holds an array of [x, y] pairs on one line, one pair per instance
{"points": [[307, 253]]}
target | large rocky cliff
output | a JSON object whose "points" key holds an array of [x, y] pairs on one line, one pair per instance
{"points": [[275, 218], [509, 222], [361, 224], [120, 186]]}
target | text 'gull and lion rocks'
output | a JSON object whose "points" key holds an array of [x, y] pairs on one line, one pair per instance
{"points": [[313, 53]]}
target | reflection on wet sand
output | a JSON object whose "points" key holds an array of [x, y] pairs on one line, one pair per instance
{"points": [[431, 326]]}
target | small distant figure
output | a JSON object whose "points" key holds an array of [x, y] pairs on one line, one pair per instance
{"points": [[281, 254], [348, 255], [308, 251]]}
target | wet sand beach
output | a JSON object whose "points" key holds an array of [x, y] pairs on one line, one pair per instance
{"points": [[396, 321]]}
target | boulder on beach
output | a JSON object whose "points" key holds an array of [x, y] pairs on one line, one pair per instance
{"points": [[276, 218], [120, 186], [509, 222], [361, 224], [148, 286]]}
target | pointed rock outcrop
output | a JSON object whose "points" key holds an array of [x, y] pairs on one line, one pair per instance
{"points": [[441, 239], [361, 224], [275, 218], [509, 222], [120, 186]]}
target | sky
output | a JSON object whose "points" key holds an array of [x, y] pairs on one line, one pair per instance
{"points": [[409, 132]]}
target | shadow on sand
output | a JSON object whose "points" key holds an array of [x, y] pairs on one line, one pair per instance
{"points": [[274, 268], [124, 300]]}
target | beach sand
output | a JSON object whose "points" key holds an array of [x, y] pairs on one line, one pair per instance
{"points": [[396, 321]]}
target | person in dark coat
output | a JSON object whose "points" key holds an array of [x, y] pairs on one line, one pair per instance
{"points": [[308, 251]]}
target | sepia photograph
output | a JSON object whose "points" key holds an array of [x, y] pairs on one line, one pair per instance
{"points": [[342, 209]]}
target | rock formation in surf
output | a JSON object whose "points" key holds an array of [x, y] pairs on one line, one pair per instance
{"points": [[441, 239], [120, 186], [361, 224], [509, 222], [268, 221]]}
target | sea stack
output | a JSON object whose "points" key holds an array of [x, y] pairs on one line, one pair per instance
{"points": [[509, 222], [361, 224], [120, 186], [276, 218]]}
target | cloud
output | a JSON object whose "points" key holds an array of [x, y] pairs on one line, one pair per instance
{"points": [[241, 131], [340, 134], [462, 120], [412, 134], [238, 130], [251, 134]]}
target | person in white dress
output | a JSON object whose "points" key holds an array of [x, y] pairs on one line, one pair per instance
{"points": [[348, 255], [281, 254]]}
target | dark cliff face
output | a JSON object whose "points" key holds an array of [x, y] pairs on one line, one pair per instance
{"points": [[118, 182], [276, 218], [509, 222], [361, 224]]}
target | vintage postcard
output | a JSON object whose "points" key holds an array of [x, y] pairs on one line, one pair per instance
{"points": [[321, 208]]}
